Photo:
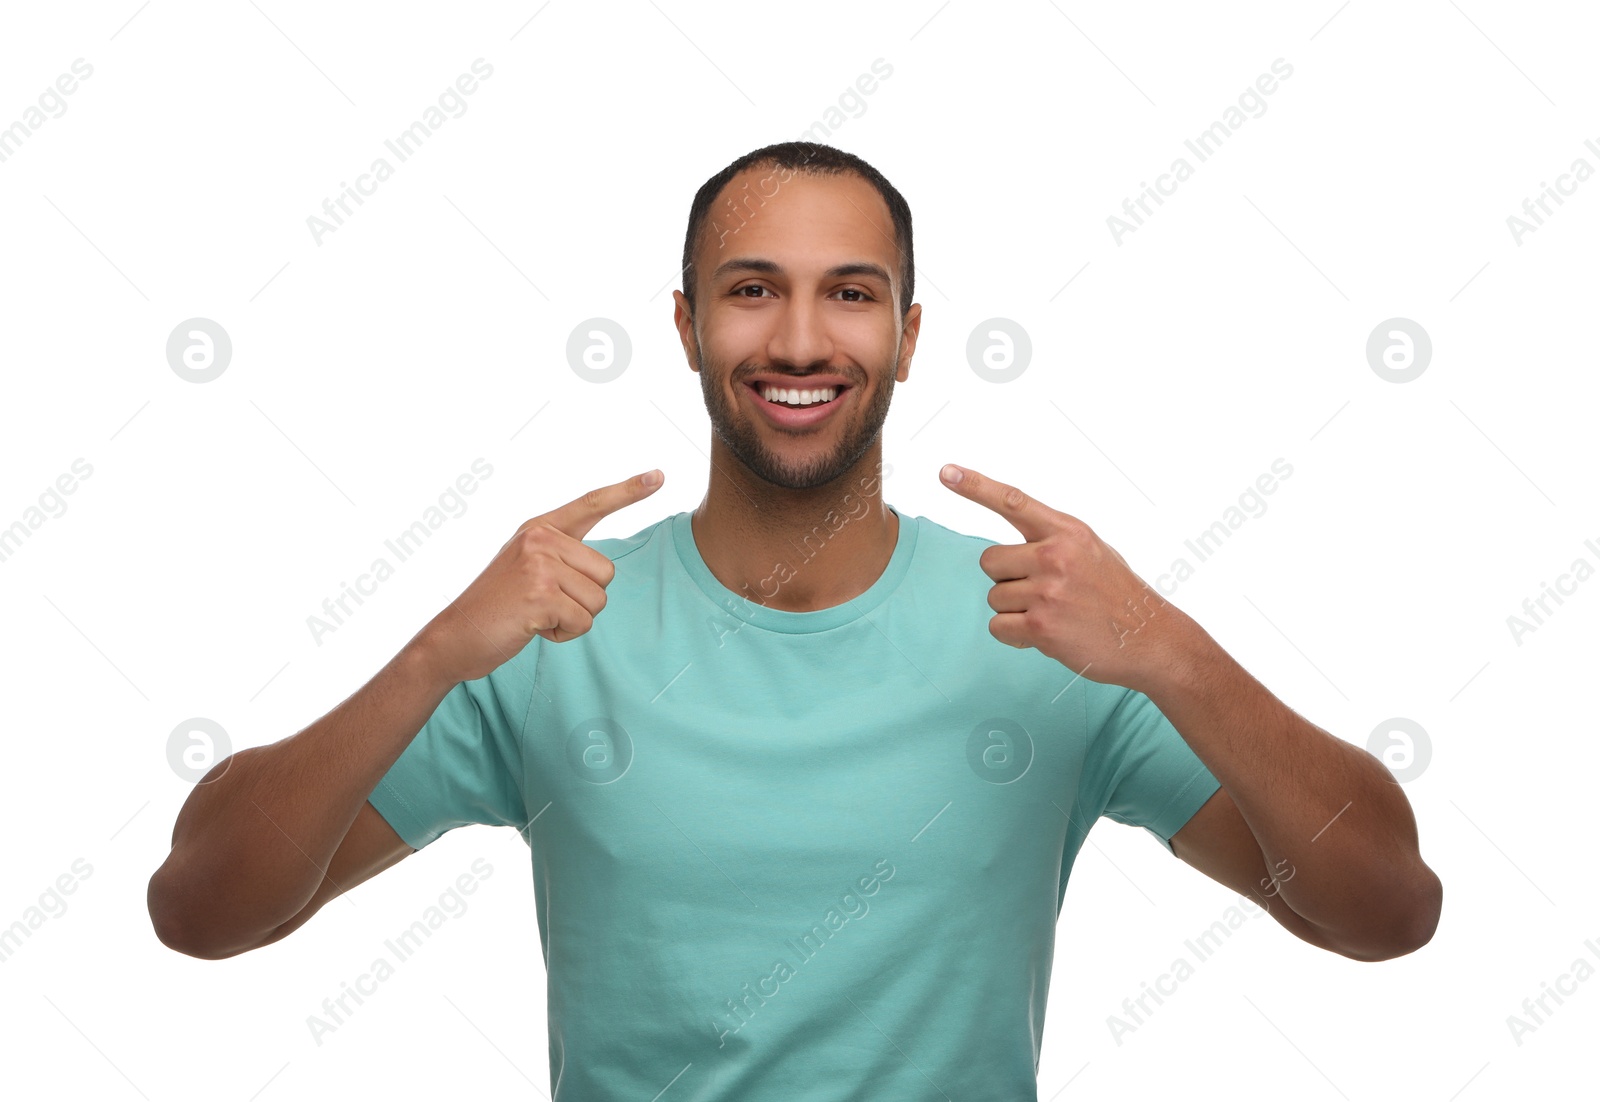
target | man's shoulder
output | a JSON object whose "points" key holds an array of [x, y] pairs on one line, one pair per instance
{"points": [[618, 546], [941, 548], [654, 536], [947, 536]]}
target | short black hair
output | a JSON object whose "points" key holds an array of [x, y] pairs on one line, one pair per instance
{"points": [[818, 160]]}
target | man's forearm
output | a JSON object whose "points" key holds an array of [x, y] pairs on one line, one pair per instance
{"points": [[1336, 832]]}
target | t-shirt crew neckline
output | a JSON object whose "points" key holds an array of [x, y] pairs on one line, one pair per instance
{"points": [[759, 615]]}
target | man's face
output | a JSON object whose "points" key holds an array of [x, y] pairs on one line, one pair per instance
{"points": [[775, 304]]}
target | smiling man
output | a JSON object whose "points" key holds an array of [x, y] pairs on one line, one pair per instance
{"points": [[799, 334], [803, 778]]}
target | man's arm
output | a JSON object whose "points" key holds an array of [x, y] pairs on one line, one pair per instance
{"points": [[275, 831], [1324, 822], [261, 842], [370, 847], [1302, 817]]}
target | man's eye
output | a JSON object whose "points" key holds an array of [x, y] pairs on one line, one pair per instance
{"points": [[749, 287], [856, 291]]}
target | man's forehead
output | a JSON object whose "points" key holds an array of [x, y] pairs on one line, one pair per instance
{"points": [[814, 220]]}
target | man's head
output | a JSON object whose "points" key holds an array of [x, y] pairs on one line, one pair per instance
{"points": [[798, 272], [717, 218]]}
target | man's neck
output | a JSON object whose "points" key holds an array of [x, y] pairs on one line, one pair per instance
{"points": [[796, 550]]}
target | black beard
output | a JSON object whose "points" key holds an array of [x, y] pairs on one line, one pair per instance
{"points": [[743, 438]]}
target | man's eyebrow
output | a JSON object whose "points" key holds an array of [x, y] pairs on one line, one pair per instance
{"points": [[769, 267]]}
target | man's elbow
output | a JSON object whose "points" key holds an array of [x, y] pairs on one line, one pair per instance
{"points": [[175, 927], [1408, 925]]}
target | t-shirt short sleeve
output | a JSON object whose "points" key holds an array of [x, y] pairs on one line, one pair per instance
{"points": [[465, 764], [1139, 770]]}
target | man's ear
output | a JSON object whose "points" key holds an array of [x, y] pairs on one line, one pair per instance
{"points": [[683, 319], [908, 341]]}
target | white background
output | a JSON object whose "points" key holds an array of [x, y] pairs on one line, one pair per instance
{"points": [[430, 329]]}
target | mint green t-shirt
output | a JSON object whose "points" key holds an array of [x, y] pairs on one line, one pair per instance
{"points": [[797, 856]]}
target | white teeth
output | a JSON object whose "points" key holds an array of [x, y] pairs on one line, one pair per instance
{"points": [[799, 397]]}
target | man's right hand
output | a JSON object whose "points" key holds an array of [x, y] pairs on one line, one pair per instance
{"points": [[543, 582]]}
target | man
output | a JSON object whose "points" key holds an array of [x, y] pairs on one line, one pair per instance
{"points": [[803, 802]]}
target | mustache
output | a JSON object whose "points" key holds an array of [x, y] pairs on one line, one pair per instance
{"points": [[798, 376]]}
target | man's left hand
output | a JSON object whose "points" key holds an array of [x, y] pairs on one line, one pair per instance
{"points": [[1071, 596]]}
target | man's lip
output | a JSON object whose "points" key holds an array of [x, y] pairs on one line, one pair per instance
{"points": [[798, 417]]}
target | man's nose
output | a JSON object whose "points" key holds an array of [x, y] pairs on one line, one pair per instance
{"points": [[802, 336]]}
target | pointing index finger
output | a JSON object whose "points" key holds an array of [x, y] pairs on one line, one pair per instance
{"points": [[576, 517], [1033, 518]]}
